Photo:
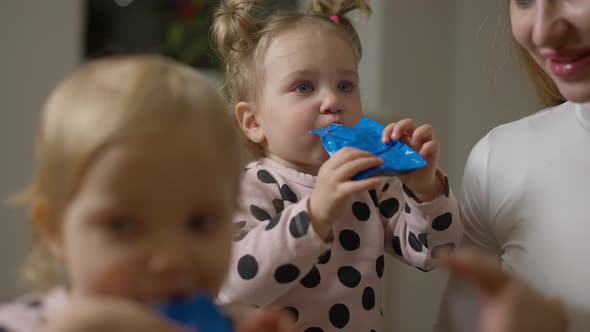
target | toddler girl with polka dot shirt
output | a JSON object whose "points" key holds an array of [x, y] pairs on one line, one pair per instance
{"points": [[127, 212], [307, 237]]}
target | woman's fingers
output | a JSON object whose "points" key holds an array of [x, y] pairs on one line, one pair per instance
{"points": [[482, 271]]}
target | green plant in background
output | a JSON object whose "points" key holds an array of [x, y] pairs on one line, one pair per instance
{"points": [[186, 36], [176, 28]]}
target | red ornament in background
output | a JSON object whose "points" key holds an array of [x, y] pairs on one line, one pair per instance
{"points": [[187, 10], [175, 28]]}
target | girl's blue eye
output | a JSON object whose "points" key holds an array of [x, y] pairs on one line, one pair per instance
{"points": [[304, 88], [523, 3], [345, 86]]}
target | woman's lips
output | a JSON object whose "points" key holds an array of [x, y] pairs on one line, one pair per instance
{"points": [[567, 63]]}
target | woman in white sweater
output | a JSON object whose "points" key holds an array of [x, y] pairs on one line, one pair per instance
{"points": [[526, 187]]}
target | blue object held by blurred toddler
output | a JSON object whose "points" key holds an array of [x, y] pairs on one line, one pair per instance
{"points": [[198, 313]]}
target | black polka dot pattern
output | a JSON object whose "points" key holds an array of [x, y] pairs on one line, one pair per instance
{"points": [[312, 279], [288, 194], [414, 242], [247, 267], [361, 211], [240, 224], [368, 298], [373, 194], [3, 329], [349, 276], [423, 270], [325, 257], [259, 213], [408, 191], [339, 315], [349, 240], [314, 329], [265, 177], [438, 250], [389, 207], [287, 273], [273, 222], [380, 266], [279, 205], [424, 239], [240, 236], [299, 225], [442, 222], [293, 312], [397, 246]]}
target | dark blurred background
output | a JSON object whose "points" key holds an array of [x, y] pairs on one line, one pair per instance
{"points": [[176, 28]]}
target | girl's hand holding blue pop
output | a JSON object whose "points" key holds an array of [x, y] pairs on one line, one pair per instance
{"points": [[335, 186], [424, 183]]}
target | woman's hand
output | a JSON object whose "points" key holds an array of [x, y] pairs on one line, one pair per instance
{"points": [[250, 319], [509, 305]]}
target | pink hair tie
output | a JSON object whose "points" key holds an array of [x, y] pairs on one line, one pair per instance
{"points": [[335, 19]]}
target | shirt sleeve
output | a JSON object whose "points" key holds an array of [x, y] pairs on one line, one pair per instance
{"points": [[275, 244], [460, 303], [22, 315], [415, 232]]}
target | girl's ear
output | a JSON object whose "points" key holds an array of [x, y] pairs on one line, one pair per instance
{"points": [[49, 229], [246, 116]]}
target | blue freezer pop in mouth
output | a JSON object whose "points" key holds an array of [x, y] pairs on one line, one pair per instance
{"points": [[398, 157]]}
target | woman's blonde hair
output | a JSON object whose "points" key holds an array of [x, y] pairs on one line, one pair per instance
{"points": [[546, 88], [544, 85], [106, 102], [243, 29]]}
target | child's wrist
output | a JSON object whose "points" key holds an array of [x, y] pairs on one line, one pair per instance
{"points": [[321, 228], [428, 191]]}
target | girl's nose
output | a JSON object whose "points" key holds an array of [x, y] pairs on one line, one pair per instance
{"points": [[330, 105], [169, 259], [550, 26], [332, 110]]}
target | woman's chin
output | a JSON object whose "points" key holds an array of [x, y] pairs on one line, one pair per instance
{"points": [[578, 92]]}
